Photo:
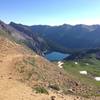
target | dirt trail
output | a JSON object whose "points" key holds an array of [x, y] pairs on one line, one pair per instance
{"points": [[5, 64]]}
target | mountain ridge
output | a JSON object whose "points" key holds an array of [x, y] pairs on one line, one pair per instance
{"points": [[34, 42], [68, 38]]}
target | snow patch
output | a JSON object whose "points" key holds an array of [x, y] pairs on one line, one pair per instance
{"points": [[76, 63], [83, 72], [60, 63], [97, 78]]}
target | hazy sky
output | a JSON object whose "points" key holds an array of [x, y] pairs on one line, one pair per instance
{"points": [[51, 12]]}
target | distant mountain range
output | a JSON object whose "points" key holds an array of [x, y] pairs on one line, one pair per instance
{"points": [[64, 38]]}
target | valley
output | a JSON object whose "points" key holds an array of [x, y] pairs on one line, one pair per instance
{"points": [[28, 69], [85, 70]]}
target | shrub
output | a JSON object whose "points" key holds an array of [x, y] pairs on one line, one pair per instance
{"points": [[41, 90]]}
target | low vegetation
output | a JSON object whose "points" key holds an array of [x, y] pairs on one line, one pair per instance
{"points": [[89, 64], [26, 67], [40, 89]]}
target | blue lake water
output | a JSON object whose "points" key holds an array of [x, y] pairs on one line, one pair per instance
{"points": [[56, 56]]}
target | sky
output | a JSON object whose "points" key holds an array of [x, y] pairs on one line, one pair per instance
{"points": [[50, 12]]}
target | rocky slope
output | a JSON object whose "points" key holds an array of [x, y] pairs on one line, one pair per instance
{"points": [[34, 42], [25, 30], [22, 70]]}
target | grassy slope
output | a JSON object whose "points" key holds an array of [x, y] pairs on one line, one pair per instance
{"points": [[93, 70]]}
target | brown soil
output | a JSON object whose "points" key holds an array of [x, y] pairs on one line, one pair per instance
{"points": [[18, 75]]}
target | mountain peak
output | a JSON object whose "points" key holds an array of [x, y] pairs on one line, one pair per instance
{"points": [[11, 23]]}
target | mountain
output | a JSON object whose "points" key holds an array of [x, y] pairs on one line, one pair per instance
{"points": [[41, 43], [68, 38], [24, 74], [34, 42]]}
